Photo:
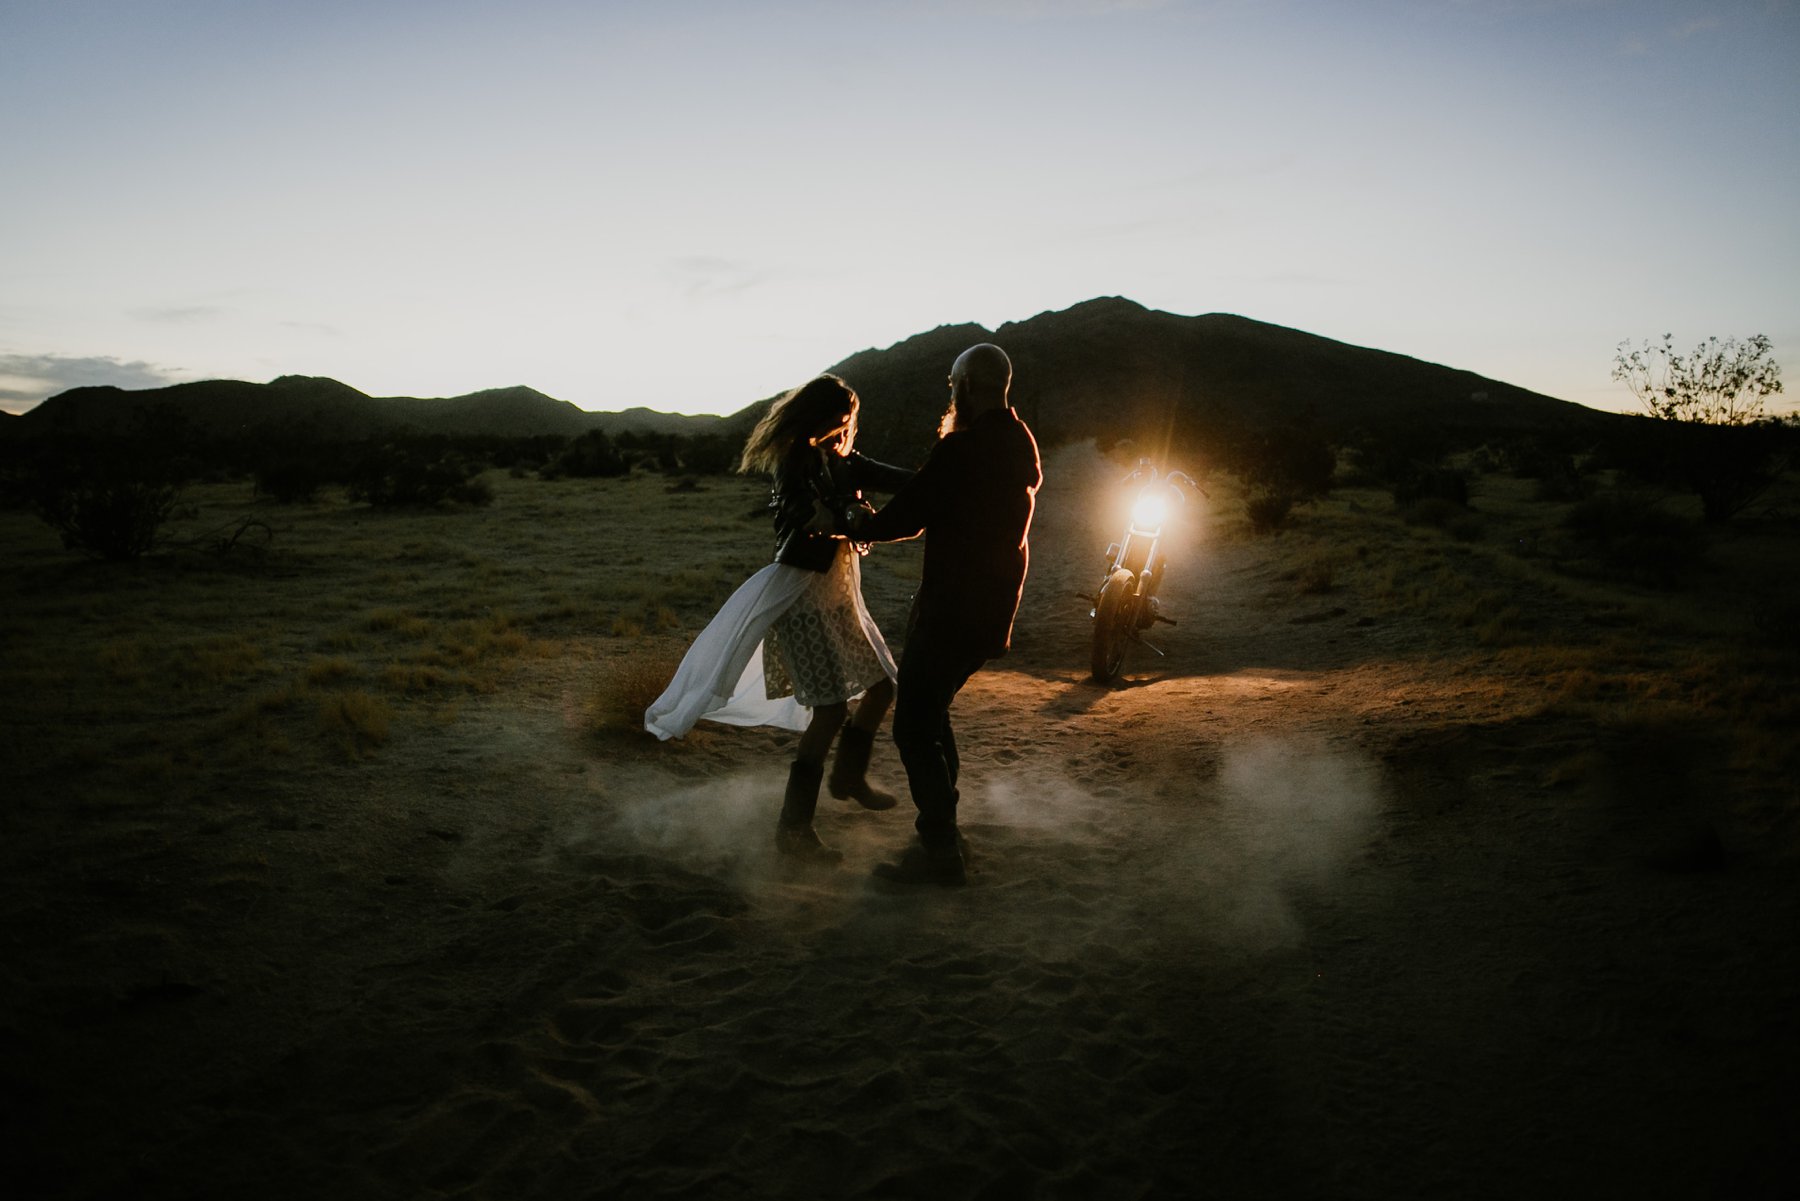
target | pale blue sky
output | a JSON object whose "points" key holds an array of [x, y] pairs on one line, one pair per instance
{"points": [[692, 205]]}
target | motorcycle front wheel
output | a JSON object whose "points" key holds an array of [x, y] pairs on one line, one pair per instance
{"points": [[1114, 616]]}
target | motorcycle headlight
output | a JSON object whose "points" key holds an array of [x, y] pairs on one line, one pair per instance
{"points": [[1150, 511]]}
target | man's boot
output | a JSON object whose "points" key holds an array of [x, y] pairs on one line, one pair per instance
{"points": [[850, 770], [922, 864], [794, 835]]}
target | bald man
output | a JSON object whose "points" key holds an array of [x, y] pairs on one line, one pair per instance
{"points": [[973, 500]]}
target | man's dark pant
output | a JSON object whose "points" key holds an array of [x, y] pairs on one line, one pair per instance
{"points": [[932, 670]]}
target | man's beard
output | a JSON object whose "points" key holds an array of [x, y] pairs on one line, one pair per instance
{"points": [[948, 424]]}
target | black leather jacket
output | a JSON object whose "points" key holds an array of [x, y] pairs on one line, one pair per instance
{"points": [[809, 474]]}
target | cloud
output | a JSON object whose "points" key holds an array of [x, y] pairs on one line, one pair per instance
{"points": [[179, 314], [26, 379], [314, 327], [1694, 28], [702, 277]]}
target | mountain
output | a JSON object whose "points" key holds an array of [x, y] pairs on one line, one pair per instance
{"points": [[1111, 368], [305, 406], [1107, 368]]}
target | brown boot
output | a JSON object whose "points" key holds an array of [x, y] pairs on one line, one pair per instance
{"points": [[794, 834], [850, 770]]}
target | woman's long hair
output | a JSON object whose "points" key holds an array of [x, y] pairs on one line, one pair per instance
{"points": [[796, 417]]}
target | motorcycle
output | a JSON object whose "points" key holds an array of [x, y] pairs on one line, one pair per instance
{"points": [[1126, 603]]}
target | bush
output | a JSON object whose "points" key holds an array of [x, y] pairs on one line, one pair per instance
{"points": [[395, 477], [1446, 515], [1432, 483], [1562, 482], [710, 454], [293, 479], [115, 519], [1294, 459], [1268, 510], [590, 456], [1727, 466], [1636, 540]]}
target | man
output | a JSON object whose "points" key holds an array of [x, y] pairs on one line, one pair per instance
{"points": [[972, 500]]}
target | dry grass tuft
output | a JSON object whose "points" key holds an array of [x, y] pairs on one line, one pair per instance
{"points": [[624, 688], [1316, 576], [329, 671], [223, 660], [360, 718], [397, 621], [414, 679]]}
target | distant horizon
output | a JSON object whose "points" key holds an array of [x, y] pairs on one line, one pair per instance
{"points": [[17, 410]]}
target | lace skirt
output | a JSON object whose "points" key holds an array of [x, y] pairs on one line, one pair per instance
{"points": [[788, 640]]}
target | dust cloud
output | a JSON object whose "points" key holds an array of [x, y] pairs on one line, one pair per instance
{"points": [[1291, 817], [1233, 855]]}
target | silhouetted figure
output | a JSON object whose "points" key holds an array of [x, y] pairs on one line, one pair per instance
{"points": [[796, 635], [973, 501]]}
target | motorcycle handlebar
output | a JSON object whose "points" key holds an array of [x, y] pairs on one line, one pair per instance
{"points": [[1177, 479]]}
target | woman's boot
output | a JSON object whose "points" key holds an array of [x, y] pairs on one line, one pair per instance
{"points": [[850, 770], [794, 835]]}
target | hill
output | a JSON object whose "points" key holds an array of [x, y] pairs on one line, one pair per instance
{"points": [[1106, 368], [315, 407], [1112, 368]]}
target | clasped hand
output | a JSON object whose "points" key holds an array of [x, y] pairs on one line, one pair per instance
{"points": [[845, 524]]}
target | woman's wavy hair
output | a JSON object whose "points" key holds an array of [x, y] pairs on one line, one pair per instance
{"points": [[795, 417]]}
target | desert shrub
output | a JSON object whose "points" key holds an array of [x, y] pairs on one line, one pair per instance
{"points": [[1394, 453], [1727, 466], [1432, 483], [1293, 458], [1268, 509], [397, 477], [1440, 514], [116, 517], [1561, 481], [590, 456], [110, 496], [293, 478], [1635, 540], [710, 454], [1316, 576], [1354, 470]]}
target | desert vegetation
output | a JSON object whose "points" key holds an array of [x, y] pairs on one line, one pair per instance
{"points": [[318, 806]]}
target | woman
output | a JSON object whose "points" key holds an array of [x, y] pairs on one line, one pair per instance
{"points": [[796, 635]]}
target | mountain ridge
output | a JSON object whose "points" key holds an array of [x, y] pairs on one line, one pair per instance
{"points": [[1105, 368]]}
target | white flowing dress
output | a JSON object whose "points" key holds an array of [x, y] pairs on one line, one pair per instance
{"points": [[825, 649]]}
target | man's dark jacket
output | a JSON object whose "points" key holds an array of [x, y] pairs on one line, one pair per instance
{"points": [[972, 500]]}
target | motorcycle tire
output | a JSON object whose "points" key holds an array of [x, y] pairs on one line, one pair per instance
{"points": [[1114, 616]]}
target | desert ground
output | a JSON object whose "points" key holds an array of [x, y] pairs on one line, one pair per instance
{"points": [[1422, 863]]}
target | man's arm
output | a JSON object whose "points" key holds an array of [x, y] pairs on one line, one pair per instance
{"points": [[911, 509], [882, 477]]}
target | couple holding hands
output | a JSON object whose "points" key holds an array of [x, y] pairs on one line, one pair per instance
{"points": [[795, 643]]}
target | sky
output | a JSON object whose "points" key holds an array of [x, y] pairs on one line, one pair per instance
{"points": [[693, 205]]}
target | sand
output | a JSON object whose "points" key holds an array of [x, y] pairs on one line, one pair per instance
{"points": [[1314, 906]]}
